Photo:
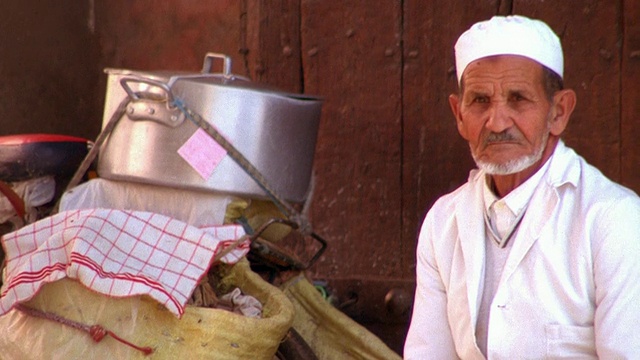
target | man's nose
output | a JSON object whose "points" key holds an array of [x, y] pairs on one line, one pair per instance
{"points": [[499, 117]]}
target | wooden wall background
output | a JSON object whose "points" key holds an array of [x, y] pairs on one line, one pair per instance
{"points": [[387, 146]]}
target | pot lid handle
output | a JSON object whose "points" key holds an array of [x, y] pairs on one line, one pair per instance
{"points": [[208, 62]]}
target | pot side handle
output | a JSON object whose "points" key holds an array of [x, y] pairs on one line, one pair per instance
{"points": [[147, 106]]}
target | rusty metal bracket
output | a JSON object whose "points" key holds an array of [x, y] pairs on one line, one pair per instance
{"points": [[275, 255]]}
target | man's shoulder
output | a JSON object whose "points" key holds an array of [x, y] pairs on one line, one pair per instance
{"points": [[589, 182], [602, 192]]}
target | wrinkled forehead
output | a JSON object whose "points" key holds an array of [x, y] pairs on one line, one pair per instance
{"points": [[504, 69]]}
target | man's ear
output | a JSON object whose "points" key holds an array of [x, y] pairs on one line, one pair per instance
{"points": [[454, 103], [564, 101]]}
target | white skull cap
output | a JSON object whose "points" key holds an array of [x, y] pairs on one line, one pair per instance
{"points": [[510, 35]]}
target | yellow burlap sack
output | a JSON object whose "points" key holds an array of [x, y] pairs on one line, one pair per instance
{"points": [[329, 332], [201, 333]]}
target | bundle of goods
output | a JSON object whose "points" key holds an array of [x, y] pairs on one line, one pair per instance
{"points": [[197, 175], [104, 283], [139, 261]]}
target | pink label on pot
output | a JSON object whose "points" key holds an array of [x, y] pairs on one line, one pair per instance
{"points": [[202, 153]]}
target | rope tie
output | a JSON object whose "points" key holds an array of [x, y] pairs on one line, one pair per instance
{"points": [[300, 218], [93, 152]]}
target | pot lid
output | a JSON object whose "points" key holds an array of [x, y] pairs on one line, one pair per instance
{"points": [[225, 78]]}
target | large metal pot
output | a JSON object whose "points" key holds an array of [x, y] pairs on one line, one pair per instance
{"points": [[275, 131]]}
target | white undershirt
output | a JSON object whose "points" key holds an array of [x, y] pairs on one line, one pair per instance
{"points": [[501, 213]]}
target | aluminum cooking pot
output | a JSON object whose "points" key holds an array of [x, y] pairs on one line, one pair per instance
{"points": [[274, 130]]}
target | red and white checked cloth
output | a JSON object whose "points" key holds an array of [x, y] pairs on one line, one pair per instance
{"points": [[116, 253]]}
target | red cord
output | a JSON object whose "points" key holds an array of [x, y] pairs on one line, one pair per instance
{"points": [[96, 332], [15, 200], [146, 349]]}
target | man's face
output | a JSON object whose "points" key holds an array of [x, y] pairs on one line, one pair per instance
{"points": [[503, 113]]}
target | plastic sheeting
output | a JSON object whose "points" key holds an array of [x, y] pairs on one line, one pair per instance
{"points": [[34, 193], [200, 209]]}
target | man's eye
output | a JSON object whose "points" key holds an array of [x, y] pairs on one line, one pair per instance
{"points": [[517, 97], [481, 99]]}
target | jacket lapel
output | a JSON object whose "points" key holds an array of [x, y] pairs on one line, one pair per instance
{"points": [[562, 170], [536, 217], [470, 223]]}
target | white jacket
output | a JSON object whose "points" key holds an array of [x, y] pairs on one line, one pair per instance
{"points": [[570, 288]]}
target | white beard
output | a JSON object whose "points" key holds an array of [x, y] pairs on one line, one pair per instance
{"points": [[515, 165]]}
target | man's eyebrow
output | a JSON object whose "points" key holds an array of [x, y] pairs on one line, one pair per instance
{"points": [[477, 91], [521, 91], [519, 85]]}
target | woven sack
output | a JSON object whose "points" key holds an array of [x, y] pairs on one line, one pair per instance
{"points": [[330, 333], [201, 333]]}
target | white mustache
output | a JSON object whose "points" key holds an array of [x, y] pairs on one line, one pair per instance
{"points": [[494, 137]]}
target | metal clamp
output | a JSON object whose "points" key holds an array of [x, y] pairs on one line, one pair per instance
{"points": [[274, 255]]}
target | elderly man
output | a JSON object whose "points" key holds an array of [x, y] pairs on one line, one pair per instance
{"points": [[538, 254]]}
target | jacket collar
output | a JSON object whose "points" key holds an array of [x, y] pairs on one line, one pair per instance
{"points": [[565, 167]]}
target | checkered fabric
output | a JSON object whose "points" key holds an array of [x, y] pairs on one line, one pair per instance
{"points": [[116, 253]]}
